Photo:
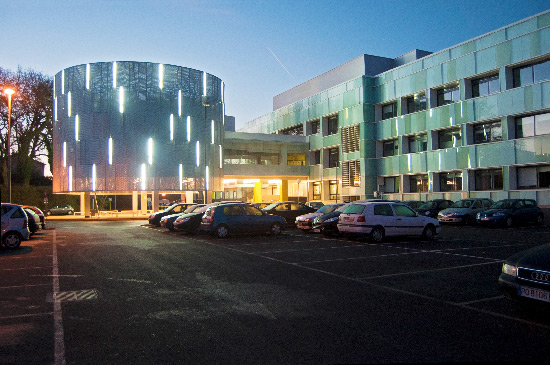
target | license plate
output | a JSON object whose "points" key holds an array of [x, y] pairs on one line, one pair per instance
{"points": [[534, 293], [317, 230], [348, 219], [484, 219]]}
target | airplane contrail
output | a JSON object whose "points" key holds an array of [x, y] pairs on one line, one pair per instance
{"points": [[280, 62]]}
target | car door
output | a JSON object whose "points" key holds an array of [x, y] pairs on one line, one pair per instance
{"points": [[283, 210], [235, 218], [255, 220], [383, 215], [407, 221], [297, 209]]}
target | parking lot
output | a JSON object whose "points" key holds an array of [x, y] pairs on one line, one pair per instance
{"points": [[127, 291]]}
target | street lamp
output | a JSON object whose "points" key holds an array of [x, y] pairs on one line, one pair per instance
{"points": [[205, 104], [9, 92]]}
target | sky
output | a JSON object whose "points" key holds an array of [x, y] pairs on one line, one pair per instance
{"points": [[259, 48]]}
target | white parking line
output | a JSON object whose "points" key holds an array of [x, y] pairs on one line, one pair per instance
{"points": [[27, 315], [481, 300], [23, 286], [59, 340], [431, 270]]}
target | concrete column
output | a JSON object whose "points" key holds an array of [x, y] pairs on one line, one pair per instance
{"points": [[155, 199], [284, 191], [189, 197], [144, 202], [135, 202], [85, 204], [258, 192]]}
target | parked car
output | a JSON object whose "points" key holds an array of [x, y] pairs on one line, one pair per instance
{"points": [[33, 220], [225, 219], [509, 212], [39, 213], [315, 204], [191, 222], [154, 218], [14, 225], [525, 278], [288, 210], [168, 221], [260, 205], [432, 207], [305, 221], [378, 220], [415, 204], [464, 211], [60, 210]]}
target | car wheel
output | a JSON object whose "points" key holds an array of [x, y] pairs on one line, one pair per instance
{"points": [[222, 231], [540, 219], [429, 233], [377, 234], [12, 240], [509, 222], [275, 229], [70, 212], [48, 212]]}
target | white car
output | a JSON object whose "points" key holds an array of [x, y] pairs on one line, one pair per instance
{"points": [[14, 225], [377, 220]]}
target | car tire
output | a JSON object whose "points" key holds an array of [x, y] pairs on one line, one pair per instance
{"points": [[275, 229], [429, 233], [222, 231], [540, 219], [509, 222], [377, 234], [11, 240]]}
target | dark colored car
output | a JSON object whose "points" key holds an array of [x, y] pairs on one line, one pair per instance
{"points": [[39, 213], [305, 222], [464, 211], [509, 212], [191, 222], [415, 204], [288, 210], [168, 221], [260, 205], [327, 224], [432, 207], [173, 209], [525, 278], [60, 210], [225, 219]]}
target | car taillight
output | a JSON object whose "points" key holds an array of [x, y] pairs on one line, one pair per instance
{"points": [[361, 218]]}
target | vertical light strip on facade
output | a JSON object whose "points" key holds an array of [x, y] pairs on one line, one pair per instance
{"points": [[70, 178], [188, 128], [206, 177], [204, 83], [171, 127], [64, 154], [93, 177], [121, 100], [110, 148], [143, 176], [181, 176], [114, 74], [69, 102], [55, 109], [220, 152], [88, 76], [62, 82], [212, 130], [76, 128], [198, 153], [222, 91], [161, 76], [150, 151], [179, 103]]}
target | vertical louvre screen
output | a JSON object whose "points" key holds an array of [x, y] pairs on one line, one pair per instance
{"points": [[350, 139], [351, 173]]}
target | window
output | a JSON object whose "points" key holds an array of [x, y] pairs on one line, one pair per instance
{"points": [[332, 125], [297, 130], [317, 191], [450, 181], [389, 110], [418, 143], [534, 125], [351, 173], [534, 177], [403, 211], [333, 190], [333, 157], [526, 75], [350, 138], [313, 127], [316, 157], [416, 103], [419, 183], [296, 159], [390, 148], [448, 95], [232, 210], [242, 157], [485, 86], [383, 209], [489, 179], [250, 210], [449, 138], [391, 184], [487, 132]]}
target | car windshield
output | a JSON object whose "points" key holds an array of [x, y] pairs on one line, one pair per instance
{"points": [[327, 208], [503, 204], [343, 207], [354, 209], [428, 205], [462, 204]]}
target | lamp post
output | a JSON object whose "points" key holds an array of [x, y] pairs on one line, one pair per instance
{"points": [[9, 93], [205, 104]]}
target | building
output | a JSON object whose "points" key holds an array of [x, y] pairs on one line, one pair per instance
{"points": [[472, 120]]}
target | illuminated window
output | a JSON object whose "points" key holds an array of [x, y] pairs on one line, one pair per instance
{"points": [[161, 76], [450, 181]]}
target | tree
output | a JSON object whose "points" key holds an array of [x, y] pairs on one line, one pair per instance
{"points": [[31, 119]]}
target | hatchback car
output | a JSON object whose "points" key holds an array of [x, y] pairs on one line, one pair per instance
{"points": [[191, 222], [168, 221], [525, 278], [509, 212], [33, 220], [225, 219], [39, 213], [60, 210], [173, 209], [377, 220], [305, 222], [432, 207], [288, 210], [464, 211], [14, 225]]}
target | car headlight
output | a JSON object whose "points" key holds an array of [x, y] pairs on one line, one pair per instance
{"points": [[428, 213], [183, 220], [478, 215], [509, 270]]}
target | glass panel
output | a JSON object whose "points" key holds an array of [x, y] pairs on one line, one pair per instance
{"points": [[527, 177], [389, 111], [541, 71], [525, 127], [542, 124], [390, 148], [403, 211], [383, 209]]}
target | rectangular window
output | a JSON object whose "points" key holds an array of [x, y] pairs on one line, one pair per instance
{"points": [[416, 103], [449, 138], [296, 159], [332, 124], [419, 183], [448, 94], [333, 158], [529, 74], [487, 132], [316, 157], [534, 125], [314, 126], [351, 173], [390, 148], [350, 138], [418, 143], [242, 157], [317, 191], [297, 130], [534, 177], [450, 181], [485, 86], [389, 110], [490, 179], [333, 190], [391, 184]]}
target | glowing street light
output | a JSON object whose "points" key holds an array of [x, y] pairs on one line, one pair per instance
{"points": [[9, 92]]}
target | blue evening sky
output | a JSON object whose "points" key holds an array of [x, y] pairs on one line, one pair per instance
{"points": [[259, 48]]}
